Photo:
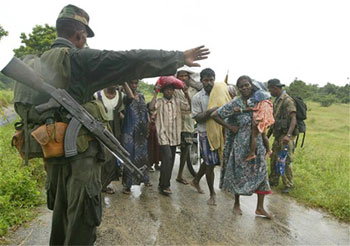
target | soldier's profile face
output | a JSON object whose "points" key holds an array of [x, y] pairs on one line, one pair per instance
{"points": [[81, 42], [273, 90]]}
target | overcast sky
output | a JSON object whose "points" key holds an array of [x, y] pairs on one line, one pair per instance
{"points": [[304, 39]]}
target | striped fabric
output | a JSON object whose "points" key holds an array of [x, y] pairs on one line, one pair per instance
{"points": [[168, 121]]}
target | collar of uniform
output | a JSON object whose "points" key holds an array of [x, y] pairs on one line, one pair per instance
{"points": [[62, 42], [282, 96]]}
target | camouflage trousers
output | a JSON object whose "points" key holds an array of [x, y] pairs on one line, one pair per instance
{"points": [[274, 176], [73, 189]]}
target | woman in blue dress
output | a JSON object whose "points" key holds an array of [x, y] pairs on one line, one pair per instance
{"points": [[134, 132], [243, 177]]}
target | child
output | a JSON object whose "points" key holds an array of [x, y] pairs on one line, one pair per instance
{"points": [[262, 107], [168, 124]]}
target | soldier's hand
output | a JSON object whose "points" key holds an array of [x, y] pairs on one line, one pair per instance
{"points": [[196, 54], [285, 140]]}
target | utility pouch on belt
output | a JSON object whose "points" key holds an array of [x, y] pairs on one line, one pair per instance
{"points": [[51, 139], [18, 141]]}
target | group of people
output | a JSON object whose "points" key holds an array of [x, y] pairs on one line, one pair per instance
{"points": [[208, 106], [74, 184]]}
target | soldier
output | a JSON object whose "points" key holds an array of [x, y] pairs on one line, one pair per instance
{"points": [[73, 184], [284, 131]]}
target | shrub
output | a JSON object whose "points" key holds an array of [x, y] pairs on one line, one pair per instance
{"points": [[327, 100], [20, 186]]}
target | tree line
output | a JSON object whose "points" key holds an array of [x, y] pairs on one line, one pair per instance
{"points": [[41, 38]]}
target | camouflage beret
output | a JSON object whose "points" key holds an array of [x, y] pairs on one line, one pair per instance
{"points": [[73, 12]]}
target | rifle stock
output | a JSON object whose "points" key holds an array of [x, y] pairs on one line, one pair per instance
{"points": [[22, 73]]}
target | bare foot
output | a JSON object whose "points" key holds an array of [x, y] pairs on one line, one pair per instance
{"points": [[196, 185], [250, 157], [262, 213], [237, 209], [212, 201], [268, 154], [182, 181]]}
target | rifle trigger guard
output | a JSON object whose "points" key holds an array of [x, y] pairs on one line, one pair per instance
{"points": [[70, 138]]}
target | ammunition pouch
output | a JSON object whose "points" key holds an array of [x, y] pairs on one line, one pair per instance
{"points": [[281, 127], [18, 139], [51, 139]]}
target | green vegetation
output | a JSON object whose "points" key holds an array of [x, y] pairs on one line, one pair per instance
{"points": [[147, 90], [20, 186], [37, 42], [6, 97], [322, 167], [3, 32], [326, 95]]}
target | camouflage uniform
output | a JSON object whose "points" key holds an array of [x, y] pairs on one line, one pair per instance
{"points": [[283, 107], [74, 184]]}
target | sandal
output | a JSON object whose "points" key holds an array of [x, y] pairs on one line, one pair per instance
{"points": [[182, 181], [109, 190], [126, 191], [165, 192], [149, 184]]}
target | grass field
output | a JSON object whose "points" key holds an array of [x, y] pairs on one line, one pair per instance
{"points": [[322, 167]]}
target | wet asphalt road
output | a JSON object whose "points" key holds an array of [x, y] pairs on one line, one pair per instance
{"points": [[7, 116], [147, 218]]}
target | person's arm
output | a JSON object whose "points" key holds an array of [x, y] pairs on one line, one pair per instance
{"points": [[128, 91], [103, 68], [185, 106], [152, 104], [205, 115], [221, 121], [293, 123], [187, 96]]}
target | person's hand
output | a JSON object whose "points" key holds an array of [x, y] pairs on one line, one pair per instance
{"points": [[237, 109], [185, 89], [195, 54], [251, 109], [234, 129], [156, 88], [285, 140]]}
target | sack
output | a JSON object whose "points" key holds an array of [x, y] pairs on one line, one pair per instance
{"points": [[301, 115], [51, 139], [170, 80], [18, 140]]}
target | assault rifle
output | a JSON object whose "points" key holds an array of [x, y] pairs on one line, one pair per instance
{"points": [[78, 116]]}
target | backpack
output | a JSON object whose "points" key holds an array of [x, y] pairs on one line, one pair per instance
{"points": [[54, 66], [301, 116]]}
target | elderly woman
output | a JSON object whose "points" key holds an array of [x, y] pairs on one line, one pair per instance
{"points": [[243, 177]]}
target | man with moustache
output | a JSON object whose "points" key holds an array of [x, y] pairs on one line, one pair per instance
{"points": [[201, 114]]}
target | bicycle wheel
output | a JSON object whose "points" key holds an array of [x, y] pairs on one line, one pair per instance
{"points": [[192, 160]]}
